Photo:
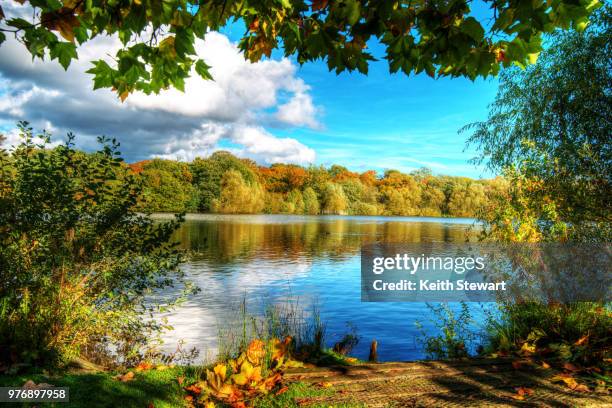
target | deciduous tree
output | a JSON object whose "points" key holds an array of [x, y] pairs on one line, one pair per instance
{"points": [[441, 38]]}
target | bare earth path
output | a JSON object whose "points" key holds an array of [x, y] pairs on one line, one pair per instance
{"points": [[474, 383]]}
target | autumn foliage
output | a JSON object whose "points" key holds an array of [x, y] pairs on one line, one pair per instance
{"points": [[223, 183], [257, 371]]}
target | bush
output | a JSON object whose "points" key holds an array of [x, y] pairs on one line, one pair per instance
{"points": [[579, 332], [455, 339], [76, 259]]}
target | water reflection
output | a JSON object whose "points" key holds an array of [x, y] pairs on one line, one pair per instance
{"points": [[271, 258]]}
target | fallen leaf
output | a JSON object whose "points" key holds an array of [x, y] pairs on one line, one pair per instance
{"points": [[151, 405], [194, 389], [524, 391], [545, 365], [325, 384], [256, 351], [180, 380], [581, 388], [282, 390], [570, 367], [516, 365], [570, 382], [161, 367], [582, 340], [143, 366], [528, 349], [129, 376], [518, 397]]}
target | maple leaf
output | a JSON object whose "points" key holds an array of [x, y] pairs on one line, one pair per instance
{"points": [[256, 351]]}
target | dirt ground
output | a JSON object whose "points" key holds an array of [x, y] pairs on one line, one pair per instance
{"points": [[475, 383]]}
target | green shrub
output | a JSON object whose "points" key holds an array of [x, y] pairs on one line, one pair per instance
{"points": [[580, 333], [455, 337], [76, 259]]}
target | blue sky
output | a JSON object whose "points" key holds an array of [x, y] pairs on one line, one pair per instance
{"points": [[394, 121], [383, 120], [274, 111]]}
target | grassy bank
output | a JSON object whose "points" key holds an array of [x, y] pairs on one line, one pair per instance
{"points": [[152, 388]]}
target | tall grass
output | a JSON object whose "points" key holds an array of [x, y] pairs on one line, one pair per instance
{"points": [[278, 321]]}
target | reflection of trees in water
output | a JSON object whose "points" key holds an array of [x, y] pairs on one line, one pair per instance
{"points": [[224, 241]]}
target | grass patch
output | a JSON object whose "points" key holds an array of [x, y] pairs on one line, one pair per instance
{"points": [[301, 392], [160, 388]]}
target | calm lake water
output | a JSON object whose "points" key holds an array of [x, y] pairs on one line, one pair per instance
{"points": [[311, 260]]}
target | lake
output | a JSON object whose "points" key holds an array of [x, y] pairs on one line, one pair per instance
{"points": [[312, 260]]}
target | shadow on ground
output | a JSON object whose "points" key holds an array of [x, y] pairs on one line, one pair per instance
{"points": [[474, 383]]}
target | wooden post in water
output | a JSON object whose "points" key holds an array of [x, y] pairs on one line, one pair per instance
{"points": [[373, 352]]}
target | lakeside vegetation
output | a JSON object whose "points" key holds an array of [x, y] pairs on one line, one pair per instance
{"points": [[223, 183]]}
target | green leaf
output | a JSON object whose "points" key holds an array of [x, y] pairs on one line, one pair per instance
{"points": [[351, 11], [2, 37], [103, 74], [202, 69], [473, 28], [19, 23], [504, 20], [132, 75], [64, 52], [80, 33], [54, 4], [183, 42]]}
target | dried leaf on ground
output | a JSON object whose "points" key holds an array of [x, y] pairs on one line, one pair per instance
{"points": [[582, 340], [282, 390], [129, 376], [143, 366], [194, 388], [570, 367], [524, 391], [571, 382]]}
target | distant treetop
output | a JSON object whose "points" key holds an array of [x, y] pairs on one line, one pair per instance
{"points": [[439, 37]]}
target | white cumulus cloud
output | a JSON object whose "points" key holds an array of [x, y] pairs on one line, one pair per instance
{"points": [[244, 105]]}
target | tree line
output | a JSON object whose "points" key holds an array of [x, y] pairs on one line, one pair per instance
{"points": [[224, 183]]}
